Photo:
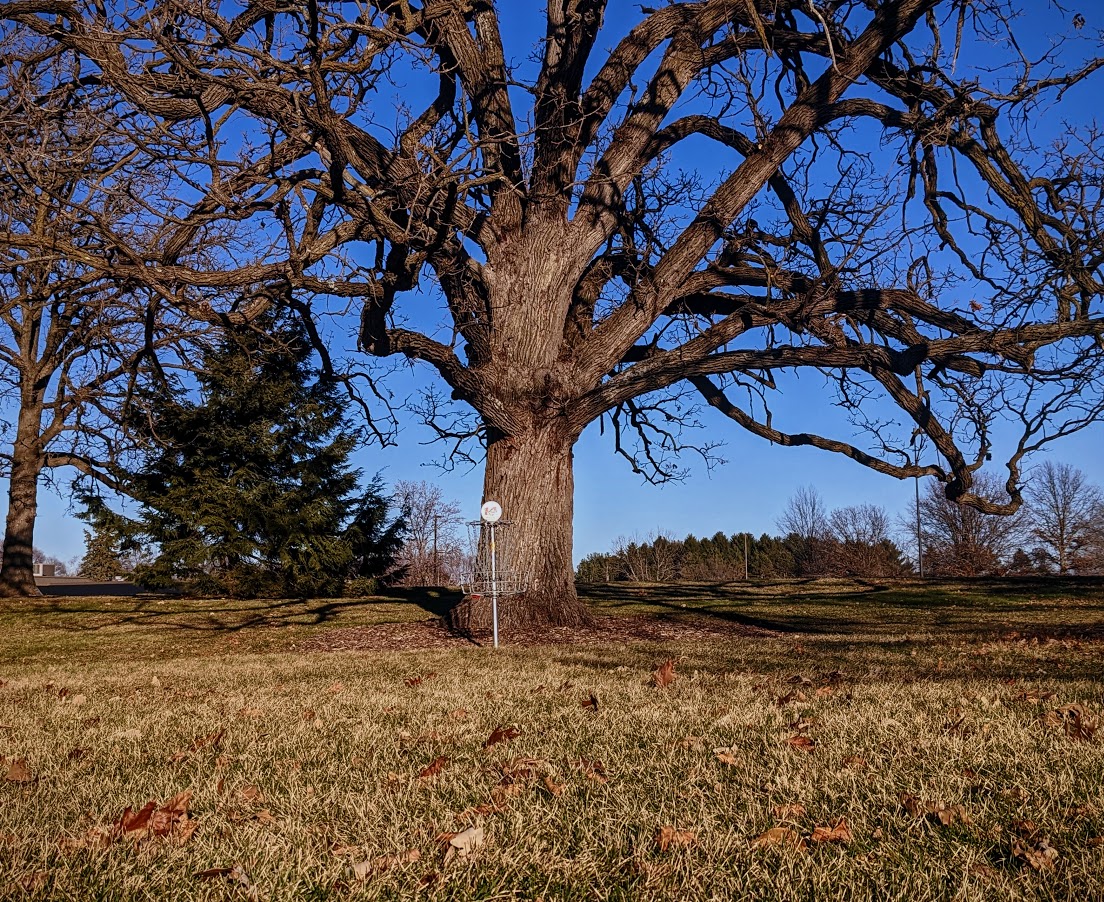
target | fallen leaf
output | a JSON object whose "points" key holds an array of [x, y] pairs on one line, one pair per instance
{"points": [[503, 792], [250, 794], [211, 739], [982, 870], [801, 743], [591, 702], [788, 812], [501, 734], [552, 786], [33, 882], [593, 770], [19, 772], [1074, 720], [664, 675], [838, 833], [467, 841], [795, 696], [937, 812], [668, 836], [434, 767], [779, 836], [236, 874], [726, 755], [364, 869], [523, 768], [854, 761], [154, 819], [1039, 855], [1035, 696], [251, 712]]}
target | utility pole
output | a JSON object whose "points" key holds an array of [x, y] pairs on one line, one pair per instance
{"points": [[745, 559]]}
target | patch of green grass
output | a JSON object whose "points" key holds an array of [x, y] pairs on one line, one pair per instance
{"points": [[316, 769]]}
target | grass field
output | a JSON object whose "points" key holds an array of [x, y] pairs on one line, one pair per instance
{"points": [[860, 741]]}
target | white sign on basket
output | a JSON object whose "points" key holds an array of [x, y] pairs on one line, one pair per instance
{"points": [[491, 512]]}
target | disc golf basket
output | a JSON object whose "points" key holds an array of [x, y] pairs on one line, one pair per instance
{"points": [[489, 573]]}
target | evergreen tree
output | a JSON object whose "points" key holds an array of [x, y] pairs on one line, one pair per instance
{"points": [[249, 491], [102, 556]]}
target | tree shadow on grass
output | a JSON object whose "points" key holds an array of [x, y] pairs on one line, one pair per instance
{"points": [[1070, 607], [174, 612]]}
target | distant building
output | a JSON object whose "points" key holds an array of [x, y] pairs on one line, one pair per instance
{"points": [[46, 571]]}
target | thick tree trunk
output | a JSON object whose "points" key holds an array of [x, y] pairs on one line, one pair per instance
{"points": [[17, 568], [530, 475]]}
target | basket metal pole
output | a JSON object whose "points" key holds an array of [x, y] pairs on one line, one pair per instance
{"points": [[494, 586]]}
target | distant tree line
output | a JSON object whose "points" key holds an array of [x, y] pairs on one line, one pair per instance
{"points": [[1059, 531]]}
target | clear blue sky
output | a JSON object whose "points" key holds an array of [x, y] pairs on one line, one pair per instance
{"points": [[746, 493]]}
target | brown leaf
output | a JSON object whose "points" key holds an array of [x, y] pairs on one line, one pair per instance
{"points": [[1035, 696], [1039, 855], [591, 702], [552, 786], [779, 836], [418, 680], [838, 833], [668, 836], [236, 874], [33, 882], [664, 675], [434, 767], [165, 817], [788, 812], [250, 794], [501, 734], [795, 696], [801, 743], [364, 869], [523, 768], [502, 793], [1075, 721], [335, 687], [593, 770], [131, 821], [211, 739], [19, 772], [726, 755], [937, 812], [854, 761]]}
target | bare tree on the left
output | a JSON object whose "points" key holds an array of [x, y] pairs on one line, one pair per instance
{"points": [[73, 191]]}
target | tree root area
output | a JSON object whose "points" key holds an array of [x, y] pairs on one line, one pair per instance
{"points": [[605, 630]]}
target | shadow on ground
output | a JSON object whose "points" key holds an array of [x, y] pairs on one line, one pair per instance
{"points": [[82, 611]]}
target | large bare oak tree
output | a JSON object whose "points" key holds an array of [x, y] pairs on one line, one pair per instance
{"points": [[73, 337], [688, 202]]}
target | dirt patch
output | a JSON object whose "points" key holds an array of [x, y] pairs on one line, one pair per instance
{"points": [[607, 630]]}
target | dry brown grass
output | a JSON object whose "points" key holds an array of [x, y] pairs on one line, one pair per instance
{"points": [[960, 766]]}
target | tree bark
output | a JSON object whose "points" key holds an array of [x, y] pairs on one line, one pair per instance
{"points": [[17, 568], [531, 476]]}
